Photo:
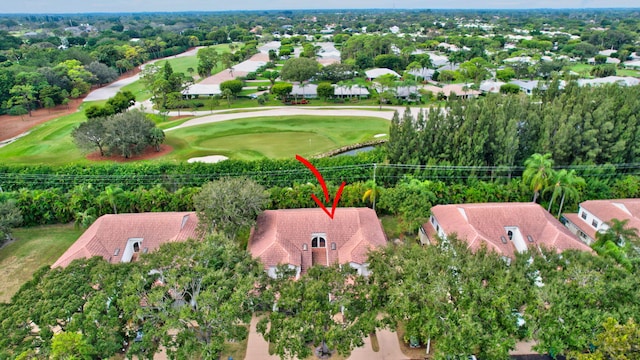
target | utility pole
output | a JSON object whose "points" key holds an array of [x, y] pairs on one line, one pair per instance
{"points": [[375, 195]]}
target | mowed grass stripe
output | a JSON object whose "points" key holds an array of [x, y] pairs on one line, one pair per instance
{"points": [[273, 137], [33, 248]]}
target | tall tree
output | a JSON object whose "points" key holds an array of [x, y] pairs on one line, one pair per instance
{"points": [[112, 195], [129, 133], [565, 184], [538, 171], [208, 59], [616, 341], [299, 69], [228, 205], [328, 307], [197, 295], [91, 134]]}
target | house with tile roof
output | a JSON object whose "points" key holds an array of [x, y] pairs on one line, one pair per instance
{"points": [[593, 216], [301, 238], [123, 237], [505, 228]]}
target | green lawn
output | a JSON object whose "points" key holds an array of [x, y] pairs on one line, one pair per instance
{"points": [[138, 89], [628, 72], [182, 63], [48, 143], [582, 68], [33, 248], [272, 137]]}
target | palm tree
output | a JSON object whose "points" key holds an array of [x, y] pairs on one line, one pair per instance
{"points": [[226, 93], [620, 233], [112, 194], [372, 193], [537, 173], [85, 218], [610, 242], [566, 185]]}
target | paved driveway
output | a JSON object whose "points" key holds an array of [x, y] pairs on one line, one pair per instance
{"points": [[258, 348], [389, 348]]}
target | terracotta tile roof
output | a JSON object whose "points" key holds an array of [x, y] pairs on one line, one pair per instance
{"points": [[581, 224], [111, 232], [485, 224], [620, 209], [279, 235]]}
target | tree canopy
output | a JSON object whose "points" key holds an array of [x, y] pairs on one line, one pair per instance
{"points": [[299, 69], [126, 134], [228, 205]]}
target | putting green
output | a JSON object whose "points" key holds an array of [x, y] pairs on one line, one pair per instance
{"points": [[273, 137], [272, 145]]}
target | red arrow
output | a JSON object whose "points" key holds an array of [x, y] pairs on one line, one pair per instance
{"points": [[323, 184]]}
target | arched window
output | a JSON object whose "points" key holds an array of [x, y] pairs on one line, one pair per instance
{"points": [[510, 234], [318, 242], [136, 247]]}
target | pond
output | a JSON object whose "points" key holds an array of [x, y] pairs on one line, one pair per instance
{"points": [[358, 150]]}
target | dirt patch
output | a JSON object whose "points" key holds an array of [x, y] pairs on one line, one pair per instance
{"points": [[12, 126], [149, 153]]}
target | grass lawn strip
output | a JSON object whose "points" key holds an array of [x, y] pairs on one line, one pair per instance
{"points": [[33, 248]]}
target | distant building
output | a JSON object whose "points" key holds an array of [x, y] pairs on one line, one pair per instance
{"points": [[526, 86], [377, 72], [350, 91], [197, 90], [620, 80], [308, 91], [490, 86]]}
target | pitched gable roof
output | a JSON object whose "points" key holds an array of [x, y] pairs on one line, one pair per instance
{"points": [[621, 209], [279, 235], [377, 72], [111, 232], [486, 223]]}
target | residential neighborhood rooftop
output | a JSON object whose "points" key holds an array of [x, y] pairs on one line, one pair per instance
{"points": [[505, 228], [304, 237], [114, 236]]}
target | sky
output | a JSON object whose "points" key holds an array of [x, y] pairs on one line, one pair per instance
{"points": [[128, 6]]}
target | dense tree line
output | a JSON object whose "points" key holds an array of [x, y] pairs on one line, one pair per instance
{"points": [[192, 297], [157, 299], [267, 172], [410, 199], [577, 125]]}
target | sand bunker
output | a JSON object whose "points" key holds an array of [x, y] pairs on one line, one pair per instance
{"points": [[208, 159]]}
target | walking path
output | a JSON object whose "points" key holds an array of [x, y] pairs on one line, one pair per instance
{"points": [[389, 348], [257, 346], [286, 111], [109, 91]]}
